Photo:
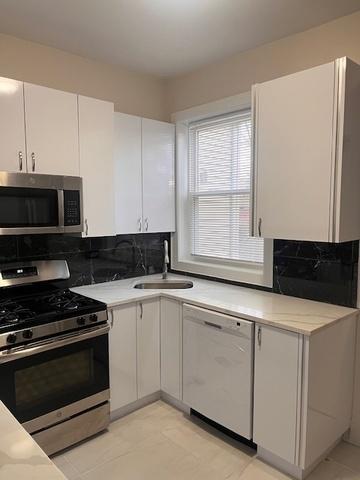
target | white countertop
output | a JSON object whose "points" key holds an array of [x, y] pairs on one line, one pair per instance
{"points": [[21, 458], [289, 313]]}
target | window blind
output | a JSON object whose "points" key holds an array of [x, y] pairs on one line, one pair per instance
{"points": [[219, 189]]}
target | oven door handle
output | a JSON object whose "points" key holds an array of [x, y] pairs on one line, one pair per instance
{"points": [[61, 341]]}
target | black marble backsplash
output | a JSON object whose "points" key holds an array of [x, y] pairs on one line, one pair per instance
{"points": [[90, 260], [326, 272], [318, 271]]}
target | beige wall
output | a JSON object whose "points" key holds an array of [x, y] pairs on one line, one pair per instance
{"points": [[237, 73], [131, 92]]}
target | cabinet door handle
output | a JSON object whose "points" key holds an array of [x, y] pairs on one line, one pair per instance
{"points": [[146, 225], [86, 227], [259, 226], [259, 336], [141, 311], [111, 313], [20, 161], [33, 162], [139, 225]]}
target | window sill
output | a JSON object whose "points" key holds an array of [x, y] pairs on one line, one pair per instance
{"points": [[255, 275]]}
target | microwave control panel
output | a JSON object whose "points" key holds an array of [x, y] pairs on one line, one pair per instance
{"points": [[72, 214]]}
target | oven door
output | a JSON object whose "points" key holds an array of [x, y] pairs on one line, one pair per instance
{"points": [[45, 376]]}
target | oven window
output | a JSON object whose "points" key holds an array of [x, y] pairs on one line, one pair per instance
{"points": [[39, 383], [43, 382], [28, 207]]}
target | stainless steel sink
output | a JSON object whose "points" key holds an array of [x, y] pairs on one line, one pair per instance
{"points": [[162, 284]]}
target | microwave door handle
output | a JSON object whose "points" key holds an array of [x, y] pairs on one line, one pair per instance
{"points": [[61, 215]]}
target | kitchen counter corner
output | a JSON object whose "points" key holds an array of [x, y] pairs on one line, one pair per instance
{"points": [[21, 458]]}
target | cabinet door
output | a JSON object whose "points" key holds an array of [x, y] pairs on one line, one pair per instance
{"points": [[148, 347], [294, 155], [96, 133], [158, 140], [170, 341], [128, 176], [12, 126], [52, 136], [123, 387], [276, 391]]}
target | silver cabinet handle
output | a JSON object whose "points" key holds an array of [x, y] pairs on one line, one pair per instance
{"points": [[141, 311], [259, 336], [111, 313], [20, 160], [86, 227], [259, 226], [146, 225], [139, 225], [33, 162]]}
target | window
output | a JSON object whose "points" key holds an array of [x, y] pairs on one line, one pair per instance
{"points": [[219, 180], [213, 176]]}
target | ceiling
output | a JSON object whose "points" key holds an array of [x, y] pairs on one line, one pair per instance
{"points": [[163, 37]]}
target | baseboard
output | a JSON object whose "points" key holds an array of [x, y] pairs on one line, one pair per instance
{"points": [[131, 407], [174, 402], [289, 468]]}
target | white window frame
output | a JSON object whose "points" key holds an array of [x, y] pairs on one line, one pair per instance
{"points": [[181, 258]]}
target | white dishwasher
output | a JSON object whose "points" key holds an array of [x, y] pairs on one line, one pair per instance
{"points": [[218, 367]]}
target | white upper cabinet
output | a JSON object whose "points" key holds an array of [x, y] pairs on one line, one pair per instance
{"points": [[96, 136], [306, 154], [128, 173], [158, 176], [12, 126], [52, 137], [145, 175]]}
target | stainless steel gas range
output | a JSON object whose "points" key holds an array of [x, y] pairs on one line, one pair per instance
{"points": [[54, 355]]}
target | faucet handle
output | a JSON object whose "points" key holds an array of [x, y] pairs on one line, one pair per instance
{"points": [[166, 251]]}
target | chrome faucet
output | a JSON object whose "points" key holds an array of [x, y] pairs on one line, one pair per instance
{"points": [[166, 259]]}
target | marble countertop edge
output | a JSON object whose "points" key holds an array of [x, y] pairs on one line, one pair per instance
{"points": [[294, 314]]}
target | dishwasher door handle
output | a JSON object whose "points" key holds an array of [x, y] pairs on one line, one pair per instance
{"points": [[214, 325]]}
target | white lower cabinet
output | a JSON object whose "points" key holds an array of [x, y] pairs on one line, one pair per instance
{"points": [[148, 347], [276, 390], [134, 352], [122, 349], [303, 388], [171, 346]]}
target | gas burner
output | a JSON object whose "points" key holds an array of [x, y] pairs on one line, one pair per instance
{"points": [[63, 300], [11, 312]]}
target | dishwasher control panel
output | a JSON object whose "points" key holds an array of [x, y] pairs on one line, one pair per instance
{"points": [[219, 321]]}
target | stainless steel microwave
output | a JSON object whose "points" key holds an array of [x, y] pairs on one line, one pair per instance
{"points": [[34, 203]]}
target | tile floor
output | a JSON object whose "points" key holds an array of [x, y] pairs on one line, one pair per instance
{"points": [[159, 442]]}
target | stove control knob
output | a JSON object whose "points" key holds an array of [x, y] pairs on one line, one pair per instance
{"points": [[93, 317], [81, 321], [27, 334], [11, 338]]}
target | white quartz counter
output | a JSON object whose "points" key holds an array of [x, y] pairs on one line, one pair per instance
{"points": [[289, 313], [21, 458]]}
